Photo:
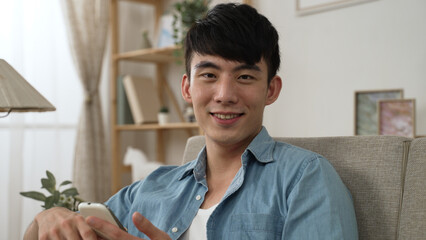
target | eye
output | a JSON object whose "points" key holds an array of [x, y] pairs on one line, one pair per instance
{"points": [[208, 75], [246, 77]]}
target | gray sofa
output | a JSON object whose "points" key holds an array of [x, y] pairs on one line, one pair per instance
{"points": [[385, 174]]}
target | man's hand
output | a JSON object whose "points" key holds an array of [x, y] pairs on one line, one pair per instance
{"points": [[59, 223], [115, 233]]}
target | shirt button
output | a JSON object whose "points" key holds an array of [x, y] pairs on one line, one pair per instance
{"points": [[175, 229], [198, 197]]}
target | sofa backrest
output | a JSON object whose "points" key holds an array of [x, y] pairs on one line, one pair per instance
{"points": [[372, 167], [413, 212]]}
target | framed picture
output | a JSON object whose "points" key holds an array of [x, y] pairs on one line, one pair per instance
{"points": [[366, 109], [397, 117], [304, 7]]}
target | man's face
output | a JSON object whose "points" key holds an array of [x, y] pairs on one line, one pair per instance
{"points": [[229, 97]]}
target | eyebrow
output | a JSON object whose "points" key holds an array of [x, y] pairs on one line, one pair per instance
{"points": [[207, 64], [247, 67]]}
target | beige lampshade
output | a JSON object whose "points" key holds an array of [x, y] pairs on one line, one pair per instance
{"points": [[17, 95]]}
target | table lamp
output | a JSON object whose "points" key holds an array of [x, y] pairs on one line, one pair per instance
{"points": [[17, 95]]}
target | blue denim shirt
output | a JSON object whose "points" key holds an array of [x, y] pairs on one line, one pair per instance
{"points": [[280, 192]]}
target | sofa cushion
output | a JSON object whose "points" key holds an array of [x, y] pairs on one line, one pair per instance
{"points": [[371, 167], [413, 212]]}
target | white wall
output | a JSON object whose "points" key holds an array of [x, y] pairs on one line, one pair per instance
{"points": [[327, 56]]}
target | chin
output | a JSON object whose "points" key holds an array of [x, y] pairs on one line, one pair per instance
{"points": [[227, 138]]}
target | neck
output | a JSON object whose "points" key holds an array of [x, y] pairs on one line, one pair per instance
{"points": [[222, 166], [223, 158], [223, 163]]}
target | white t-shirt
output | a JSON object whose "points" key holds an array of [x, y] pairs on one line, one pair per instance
{"points": [[198, 228]]}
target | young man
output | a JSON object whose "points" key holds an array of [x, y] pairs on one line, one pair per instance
{"points": [[243, 184]]}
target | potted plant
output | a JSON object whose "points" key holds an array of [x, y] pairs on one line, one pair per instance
{"points": [[189, 113], [163, 115], [66, 198], [145, 42], [185, 14]]}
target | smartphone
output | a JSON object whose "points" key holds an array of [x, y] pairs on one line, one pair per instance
{"points": [[101, 211]]}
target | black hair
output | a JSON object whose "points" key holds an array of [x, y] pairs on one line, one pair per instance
{"points": [[236, 32]]}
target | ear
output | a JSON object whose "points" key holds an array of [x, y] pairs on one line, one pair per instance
{"points": [[274, 89], [185, 89]]}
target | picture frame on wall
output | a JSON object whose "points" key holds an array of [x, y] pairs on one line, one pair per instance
{"points": [[304, 7], [366, 122], [397, 117]]}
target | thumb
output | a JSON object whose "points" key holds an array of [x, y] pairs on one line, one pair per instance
{"points": [[145, 226]]}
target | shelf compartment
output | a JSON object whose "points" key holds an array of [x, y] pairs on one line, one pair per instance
{"points": [[154, 126], [157, 55], [152, 2]]}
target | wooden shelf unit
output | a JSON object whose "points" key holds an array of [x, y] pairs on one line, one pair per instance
{"points": [[134, 127], [152, 55], [159, 57]]}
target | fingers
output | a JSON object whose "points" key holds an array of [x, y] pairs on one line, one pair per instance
{"points": [[60, 223], [85, 231], [69, 229], [106, 230], [145, 226]]}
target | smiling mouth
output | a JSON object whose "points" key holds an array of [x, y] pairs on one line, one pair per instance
{"points": [[226, 116]]}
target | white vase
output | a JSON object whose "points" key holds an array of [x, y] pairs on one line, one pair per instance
{"points": [[163, 118]]}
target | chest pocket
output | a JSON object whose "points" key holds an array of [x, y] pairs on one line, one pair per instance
{"points": [[256, 226]]}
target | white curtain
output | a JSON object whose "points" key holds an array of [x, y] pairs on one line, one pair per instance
{"points": [[87, 22], [33, 40]]}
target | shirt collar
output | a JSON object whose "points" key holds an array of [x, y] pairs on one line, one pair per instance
{"points": [[261, 148], [198, 166]]}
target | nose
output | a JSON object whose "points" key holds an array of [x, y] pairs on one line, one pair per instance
{"points": [[226, 91]]}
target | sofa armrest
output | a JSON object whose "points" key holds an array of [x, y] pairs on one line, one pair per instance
{"points": [[413, 211]]}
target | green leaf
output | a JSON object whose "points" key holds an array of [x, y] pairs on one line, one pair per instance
{"points": [[34, 195], [51, 178], [48, 185], [70, 192], [56, 195], [48, 203], [65, 183], [187, 13]]}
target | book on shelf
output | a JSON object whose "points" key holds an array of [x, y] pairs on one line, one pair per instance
{"points": [[165, 34], [142, 97], [124, 114]]}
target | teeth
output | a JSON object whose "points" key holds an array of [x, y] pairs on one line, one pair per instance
{"points": [[225, 116]]}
